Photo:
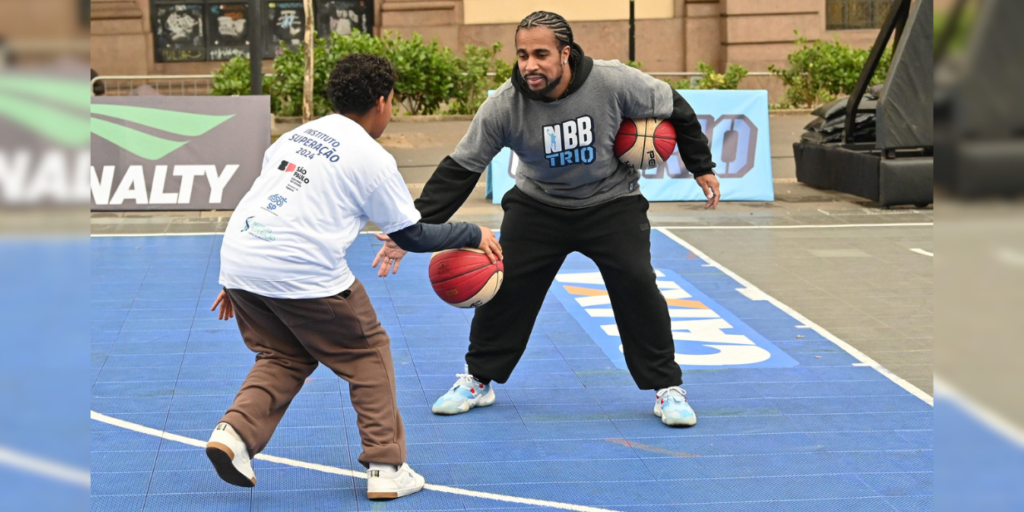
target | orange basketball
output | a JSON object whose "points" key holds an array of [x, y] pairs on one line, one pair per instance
{"points": [[465, 278], [645, 143]]}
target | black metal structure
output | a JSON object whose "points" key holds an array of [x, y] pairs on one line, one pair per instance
{"points": [[632, 32], [896, 167], [895, 21], [255, 45]]}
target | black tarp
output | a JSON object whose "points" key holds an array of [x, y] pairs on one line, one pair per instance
{"points": [[905, 109]]}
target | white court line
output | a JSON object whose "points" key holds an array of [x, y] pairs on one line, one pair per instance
{"points": [[33, 464], [924, 252], [810, 226], [979, 411], [850, 349], [344, 472]]}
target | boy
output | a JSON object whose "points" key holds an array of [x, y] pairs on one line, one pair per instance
{"points": [[284, 274]]}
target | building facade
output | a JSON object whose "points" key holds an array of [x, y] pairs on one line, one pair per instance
{"points": [[145, 37]]}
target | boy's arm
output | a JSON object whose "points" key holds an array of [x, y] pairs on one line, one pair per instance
{"points": [[422, 237], [457, 174], [390, 206]]}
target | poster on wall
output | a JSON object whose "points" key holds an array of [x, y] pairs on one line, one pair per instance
{"points": [[287, 24], [178, 32], [342, 16], [229, 30]]}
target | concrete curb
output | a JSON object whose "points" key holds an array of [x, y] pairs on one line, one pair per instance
{"points": [[782, 112]]}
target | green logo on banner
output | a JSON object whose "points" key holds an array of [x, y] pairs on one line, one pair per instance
{"points": [[51, 108], [143, 144]]}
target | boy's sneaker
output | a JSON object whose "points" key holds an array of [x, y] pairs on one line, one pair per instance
{"points": [[671, 406], [466, 394], [383, 484], [230, 457]]}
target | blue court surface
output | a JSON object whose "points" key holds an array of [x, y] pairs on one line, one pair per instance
{"points": [[787, 419]]}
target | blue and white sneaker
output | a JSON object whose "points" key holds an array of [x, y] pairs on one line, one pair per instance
{"points": [[671, 406], [466, 394]]}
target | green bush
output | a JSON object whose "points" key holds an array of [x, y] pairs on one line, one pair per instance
{"points": [[821, 71], [709, 79], [682, 83], [426, 72], [285, 87], [428, 75], [232, 79], [472, 82], [730, 80]]}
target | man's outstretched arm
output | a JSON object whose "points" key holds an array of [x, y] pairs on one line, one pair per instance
{"points": [[445, 191]]}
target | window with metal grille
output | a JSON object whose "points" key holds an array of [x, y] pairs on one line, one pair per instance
{"points": [[856, 14], [198, 30]]}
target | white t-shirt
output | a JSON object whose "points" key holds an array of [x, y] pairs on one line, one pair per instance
{"points": [[319, 185]]}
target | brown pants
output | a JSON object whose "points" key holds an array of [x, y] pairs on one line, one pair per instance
{"points": [[289, 337]]}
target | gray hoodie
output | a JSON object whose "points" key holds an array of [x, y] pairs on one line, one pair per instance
{"points": [[565, 146]]}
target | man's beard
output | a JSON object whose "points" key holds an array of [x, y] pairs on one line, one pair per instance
{"points": [[551, 85]]}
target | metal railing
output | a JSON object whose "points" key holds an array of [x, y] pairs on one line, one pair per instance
{"points": [[164, 85]]}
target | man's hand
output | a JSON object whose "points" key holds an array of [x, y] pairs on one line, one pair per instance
{"points": [[489, 244], [227, 311], [388, 257], [709, 184]]}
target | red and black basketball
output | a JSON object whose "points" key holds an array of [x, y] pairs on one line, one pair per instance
{"points": [[465, 278], [645, 143]]}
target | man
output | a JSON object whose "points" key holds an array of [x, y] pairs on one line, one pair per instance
{"points": [[284, 274], [559, 113]]}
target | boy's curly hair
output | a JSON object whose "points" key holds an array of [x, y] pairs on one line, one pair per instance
{"points": [[357, 81]]}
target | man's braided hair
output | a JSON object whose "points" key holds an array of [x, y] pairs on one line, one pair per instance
{"points": [[558, 25]]}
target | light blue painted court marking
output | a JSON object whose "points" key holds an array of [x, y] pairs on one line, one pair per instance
{"points": [[707, 335]]}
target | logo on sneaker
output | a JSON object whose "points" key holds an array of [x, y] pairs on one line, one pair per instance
{"points": [[373, 473]]}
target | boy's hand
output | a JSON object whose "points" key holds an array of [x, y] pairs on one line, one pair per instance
{"points": [[388, 257], [227, 311], [489, 244]]}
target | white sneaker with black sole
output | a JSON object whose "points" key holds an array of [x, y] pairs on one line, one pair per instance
{"points": [[230, 457], [388, 484]]}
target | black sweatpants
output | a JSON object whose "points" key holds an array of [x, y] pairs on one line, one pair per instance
{"points": [[535, 240]]}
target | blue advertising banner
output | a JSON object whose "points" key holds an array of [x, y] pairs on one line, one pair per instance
{"points": [[736, 125]]}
